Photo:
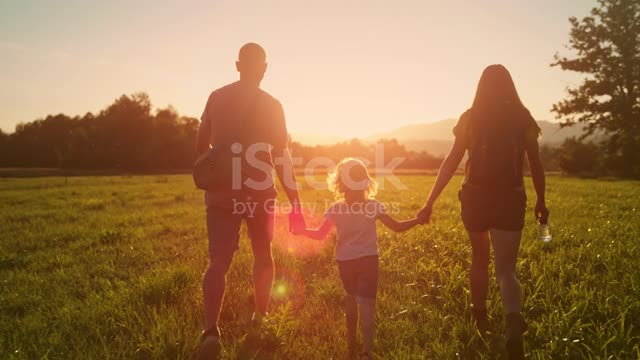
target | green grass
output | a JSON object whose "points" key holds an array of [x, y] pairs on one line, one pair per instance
{"points": [[110, 267]]}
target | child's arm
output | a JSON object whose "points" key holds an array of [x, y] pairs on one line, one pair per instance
{"points": [[395, 225], [318, 233]]}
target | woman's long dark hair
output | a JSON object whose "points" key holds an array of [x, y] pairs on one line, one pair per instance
{"points": [[498, 128], [496, 89], [497, 102]]}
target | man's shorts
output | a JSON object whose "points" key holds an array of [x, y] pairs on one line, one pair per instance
{"points": [[360, 277], [225, 219], [501, 209]]}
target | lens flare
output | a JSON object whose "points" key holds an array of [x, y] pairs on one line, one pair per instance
{"points": [[281, 290], [288, 286]]}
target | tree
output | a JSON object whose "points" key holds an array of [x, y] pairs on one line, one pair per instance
{"points": [[576, 157], [549, 155], [126, 127], [607, 52], [4, 148]]}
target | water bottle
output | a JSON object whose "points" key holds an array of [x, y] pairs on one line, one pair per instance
{"points": [[544, 232]]}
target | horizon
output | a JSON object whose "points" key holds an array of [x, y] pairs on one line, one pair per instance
{"points": [[347, 77]]}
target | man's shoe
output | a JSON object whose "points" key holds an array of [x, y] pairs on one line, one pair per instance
{"points": [[481, 319], [210, 347], [352, 348], [262, 334], [515, 349], [259, 320]]}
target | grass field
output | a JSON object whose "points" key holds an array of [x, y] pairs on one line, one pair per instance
{"points": [[110, 268]]}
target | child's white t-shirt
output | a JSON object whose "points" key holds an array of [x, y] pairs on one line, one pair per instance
{"points": [[356, 228]]}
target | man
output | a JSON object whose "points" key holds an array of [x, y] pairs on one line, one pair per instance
{"points": [[249, 122]]}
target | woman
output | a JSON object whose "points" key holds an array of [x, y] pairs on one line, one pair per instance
{"points": [[496, 131]]}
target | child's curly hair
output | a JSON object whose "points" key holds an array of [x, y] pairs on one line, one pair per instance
{"points": [[351, 176]]}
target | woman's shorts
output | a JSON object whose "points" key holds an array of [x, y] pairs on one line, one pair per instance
{"points": [[501, 209], [360, 276]]}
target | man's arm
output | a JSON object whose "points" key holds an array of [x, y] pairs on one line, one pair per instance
{"points": [[284, 166], [281, 156], [286, 174], [203, 138]]}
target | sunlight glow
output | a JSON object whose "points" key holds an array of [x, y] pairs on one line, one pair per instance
{"points": [[350, 76]]}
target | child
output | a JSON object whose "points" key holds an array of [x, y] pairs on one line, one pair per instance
{"points": [[354, 215]]}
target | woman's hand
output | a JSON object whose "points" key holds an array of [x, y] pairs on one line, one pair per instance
{"points": [[541, 211], [424, 215]]}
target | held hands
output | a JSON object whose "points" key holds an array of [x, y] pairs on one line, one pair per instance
{"points": [[541, 212]]}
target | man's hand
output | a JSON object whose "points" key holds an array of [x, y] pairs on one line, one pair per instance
{"points": [[541, 212], [296, 219], [424, 215]]}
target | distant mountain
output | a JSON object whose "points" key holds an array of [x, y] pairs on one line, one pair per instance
{"points": [[552, 134], [437, 137], [312, 139], [437, 130]]}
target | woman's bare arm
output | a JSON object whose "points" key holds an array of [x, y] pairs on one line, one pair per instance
{"points": [[397, 226], [537, 175], [446, 172]]}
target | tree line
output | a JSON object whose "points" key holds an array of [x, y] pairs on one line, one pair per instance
{"points": [[129, 136], [381, 153], [125, 136]]}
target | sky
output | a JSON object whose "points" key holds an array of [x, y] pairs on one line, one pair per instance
{"points": [[347, 68]]}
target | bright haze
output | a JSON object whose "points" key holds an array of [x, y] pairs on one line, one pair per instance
{"points": [[340, 68]]}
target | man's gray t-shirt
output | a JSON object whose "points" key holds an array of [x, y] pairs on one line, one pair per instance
{"points": [[249, 116]]}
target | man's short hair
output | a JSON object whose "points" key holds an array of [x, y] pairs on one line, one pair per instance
{"points": [[252, 53]]}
